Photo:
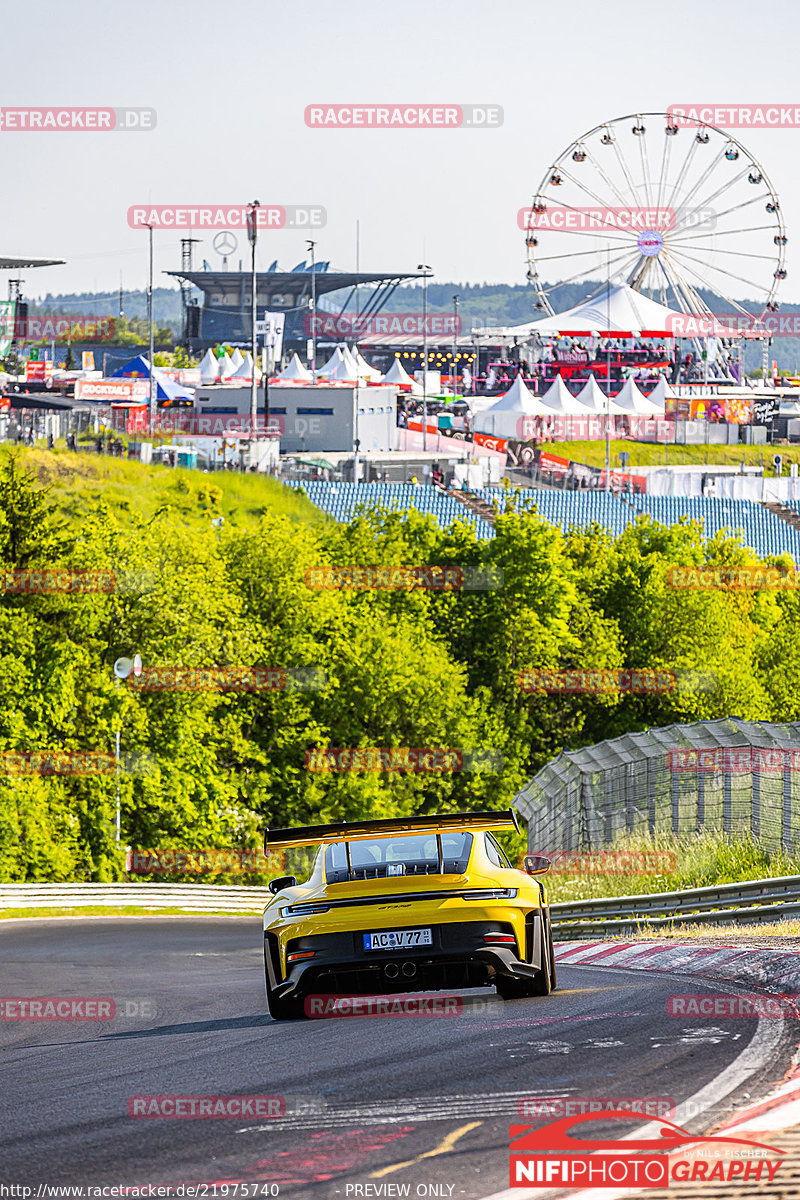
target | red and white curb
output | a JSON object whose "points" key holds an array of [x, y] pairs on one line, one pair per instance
{"points": [[777, 971]]}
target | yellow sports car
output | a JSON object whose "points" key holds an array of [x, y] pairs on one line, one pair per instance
{"points": [[403, 905]]}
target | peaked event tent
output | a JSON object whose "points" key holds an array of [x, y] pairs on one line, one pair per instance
{"points": [[245, 369], [333, 362], [295, 371], [371, 374], [504, 418], [634, 401], [237, 358], [660, 393], [139, 368], [594, 398], [340, 368], [209, 368], [398, 374], [621, 311], [561, 400], [226, 366]]}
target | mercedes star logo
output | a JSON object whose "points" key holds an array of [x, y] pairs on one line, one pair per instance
{"points": [[224, 243]]}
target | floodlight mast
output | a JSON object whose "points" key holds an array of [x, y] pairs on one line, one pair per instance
{"points": [[252, 233]]}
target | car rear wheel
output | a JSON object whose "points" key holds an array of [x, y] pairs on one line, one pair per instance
{"points": [[545, 981], [542, 984], [283, 1008]]}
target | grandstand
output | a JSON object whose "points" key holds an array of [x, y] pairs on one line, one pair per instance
{"points": [[757, 527], [763, 531], [342, 500]]}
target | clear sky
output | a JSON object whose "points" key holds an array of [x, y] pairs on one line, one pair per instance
{"points": [[230, 83]]}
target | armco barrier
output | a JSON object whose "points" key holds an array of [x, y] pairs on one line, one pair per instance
{"points": [[752, 902], [193, 897]]}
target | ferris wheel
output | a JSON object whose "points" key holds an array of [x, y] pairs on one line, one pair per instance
{"points": [[678, 210]]}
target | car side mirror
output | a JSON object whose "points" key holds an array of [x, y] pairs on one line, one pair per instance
{"points": [[285, 881], [537, 864]]}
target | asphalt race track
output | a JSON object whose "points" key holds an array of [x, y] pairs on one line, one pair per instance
{"points": [[424, 1102]]}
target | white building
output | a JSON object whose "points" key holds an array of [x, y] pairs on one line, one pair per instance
{"points": [[321, 418]]}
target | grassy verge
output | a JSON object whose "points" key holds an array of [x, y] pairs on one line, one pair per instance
{"points": [[644, 454], [721, 933], [99, 910], [697, 860], [129, 488]]}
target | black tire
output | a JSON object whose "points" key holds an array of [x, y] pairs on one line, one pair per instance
{"points": [[513, 989], [282, 1008], [543, 983], [552, 952]]}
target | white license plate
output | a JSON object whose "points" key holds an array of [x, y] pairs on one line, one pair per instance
{"points": [[397, 939]]}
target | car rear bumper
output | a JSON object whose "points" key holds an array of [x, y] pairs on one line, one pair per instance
{"points": [[459, 957]]}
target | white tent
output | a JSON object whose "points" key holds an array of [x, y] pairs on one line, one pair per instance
{"points": [[350, 361], [621, 311], [397, 374], [295, 371], [592, 397], [660, 393], [634, 401], [504, 418], [209, 368], [561, 400], [245, 369], [340, 368], [333, 362], [226, 366], [365, 371], [237, 358]]}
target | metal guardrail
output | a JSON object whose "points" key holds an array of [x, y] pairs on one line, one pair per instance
{"points": [[753, 902], [191, 897]]}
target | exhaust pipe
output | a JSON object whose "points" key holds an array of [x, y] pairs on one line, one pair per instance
{"points": [[391, 970], [409, 969]]}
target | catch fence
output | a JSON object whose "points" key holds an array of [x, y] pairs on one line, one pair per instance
{"points": [[728, 776]]}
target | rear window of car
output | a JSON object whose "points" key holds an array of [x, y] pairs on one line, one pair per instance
{"points": [[386, 858]]}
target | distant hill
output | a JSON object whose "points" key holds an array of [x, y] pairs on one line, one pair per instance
{"points": [[479, 304]]}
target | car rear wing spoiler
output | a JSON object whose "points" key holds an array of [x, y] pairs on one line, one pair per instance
{"points": [[344, 831]]}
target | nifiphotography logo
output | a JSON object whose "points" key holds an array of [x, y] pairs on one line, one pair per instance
{"points": [[548, 1157]]}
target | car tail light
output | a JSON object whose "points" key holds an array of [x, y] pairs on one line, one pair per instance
{"points": [[296, 955], [490, 894], [500, 937]]}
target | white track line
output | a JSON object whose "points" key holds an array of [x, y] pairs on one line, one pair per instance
{"points": [[755, 1055]]}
